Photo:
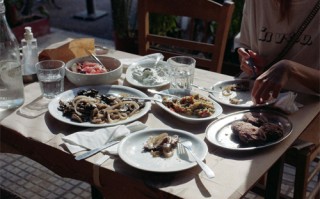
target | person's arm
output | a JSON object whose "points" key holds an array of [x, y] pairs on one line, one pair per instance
{"points": [[274, 79]]}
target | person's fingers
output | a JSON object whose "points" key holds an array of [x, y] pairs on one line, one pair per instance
{"points": [[264, 90], [252, 54], [246, 69], [256, 89], [265, 94], [276, 91], [244, 66], [261, 92], [242, 52]]}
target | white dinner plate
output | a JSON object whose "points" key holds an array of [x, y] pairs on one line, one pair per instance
{"points": [[186, 118], [131, 151], [243, 96], [134, 74], [107, 89], [220, 134]]}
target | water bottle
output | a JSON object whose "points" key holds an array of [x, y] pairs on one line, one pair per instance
{"points": [[11, 85], [29, 56]]}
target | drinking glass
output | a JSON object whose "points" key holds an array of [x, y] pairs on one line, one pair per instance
{"points": [[182, 71], [50, 74]]}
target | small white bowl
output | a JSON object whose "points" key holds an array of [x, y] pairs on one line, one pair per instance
{"points": [[80, 79]]}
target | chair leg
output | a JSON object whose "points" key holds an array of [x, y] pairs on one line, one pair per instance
{"points": [[301, 179], [274, 177], [318, 193], [95, 193]]}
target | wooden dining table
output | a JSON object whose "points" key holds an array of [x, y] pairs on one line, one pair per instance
{"points": [[31, 131]]}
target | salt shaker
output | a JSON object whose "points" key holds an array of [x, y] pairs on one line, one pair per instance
{"points": [[29, 56]]}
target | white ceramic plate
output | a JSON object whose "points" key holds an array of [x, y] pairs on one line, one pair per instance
{"points": [[135, 72], [244, 96], [187, 118], [131, 151], [220, 134], [113, 89]]}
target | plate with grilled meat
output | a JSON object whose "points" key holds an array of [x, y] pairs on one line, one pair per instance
{"points": [[249, 130], [235, 93]]}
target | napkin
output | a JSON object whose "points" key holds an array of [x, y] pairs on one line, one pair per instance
{"points": [[92, 138], [287, 103], [73, 49]]}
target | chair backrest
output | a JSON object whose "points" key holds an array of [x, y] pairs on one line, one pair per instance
{"points": [[204, 10]]}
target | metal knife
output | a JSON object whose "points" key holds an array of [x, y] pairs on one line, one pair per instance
{"points": [[252, 65], [96, 150], [162, 93]]}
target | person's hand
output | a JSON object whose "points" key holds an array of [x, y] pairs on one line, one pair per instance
{"points": [[269, 84], [258, 62]]}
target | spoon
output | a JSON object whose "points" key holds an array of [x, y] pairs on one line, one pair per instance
{"points": [[207, 170], [157, 60]]}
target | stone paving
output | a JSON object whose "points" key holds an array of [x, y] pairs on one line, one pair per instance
{"points": [[29, 180]]}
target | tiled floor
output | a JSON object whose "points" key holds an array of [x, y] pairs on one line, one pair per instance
{"points": [[29, 180]]}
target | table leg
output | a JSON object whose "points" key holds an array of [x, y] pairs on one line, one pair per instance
{"points": [[274, 178], [91, 13]]}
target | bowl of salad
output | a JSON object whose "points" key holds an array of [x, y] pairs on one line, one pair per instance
{"points": [[84, 71]]}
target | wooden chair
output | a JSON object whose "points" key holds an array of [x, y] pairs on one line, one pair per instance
{"points": [[304, 152], [301, 155], [204, 10]]}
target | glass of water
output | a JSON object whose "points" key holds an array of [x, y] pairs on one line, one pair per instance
{"points": [[50, 74], [182, 71]]}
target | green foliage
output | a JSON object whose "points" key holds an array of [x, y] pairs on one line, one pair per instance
{"points": [[21, 11], [236, 18], [124, 24], [162, 24]]}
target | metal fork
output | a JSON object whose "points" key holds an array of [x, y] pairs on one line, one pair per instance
{"points": [[188, 146], [95, 58], [143, 98], [204, 89], [162, 93]]}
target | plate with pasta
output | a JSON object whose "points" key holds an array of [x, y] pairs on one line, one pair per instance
{"points": [[99, 106], [190, 106]]}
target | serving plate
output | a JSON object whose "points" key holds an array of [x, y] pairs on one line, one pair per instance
{"points": [[220, 134], [157, 76], [187, 118], [131, 151], [108, 89], [243, 96]]}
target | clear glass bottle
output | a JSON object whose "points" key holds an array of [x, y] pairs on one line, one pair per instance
{"points": [[29, 56], [11, 85]]}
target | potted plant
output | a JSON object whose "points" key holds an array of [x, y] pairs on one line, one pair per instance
{"points": [[124, 25], [124, 15], [231, 58], [22, 13]]}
